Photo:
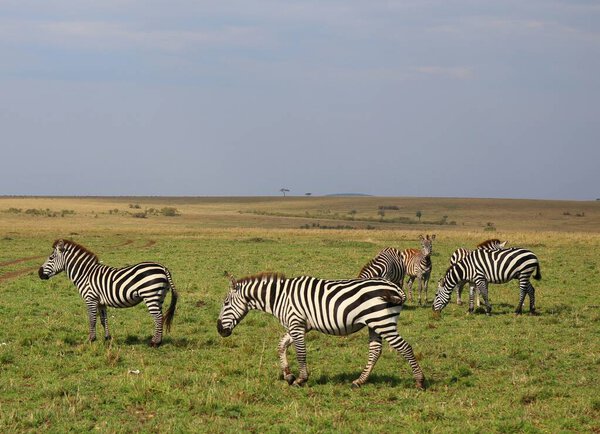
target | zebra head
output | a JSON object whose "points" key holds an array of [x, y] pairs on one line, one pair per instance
{"points": [[444, 291], [427, 244], [55, 262], [235, 307]]}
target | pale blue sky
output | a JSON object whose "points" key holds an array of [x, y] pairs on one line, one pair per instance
{"points": [[402, 98]]}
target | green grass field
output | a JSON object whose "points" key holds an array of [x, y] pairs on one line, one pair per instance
{"points": [[502, 373]]}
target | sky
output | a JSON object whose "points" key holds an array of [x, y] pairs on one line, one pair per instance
{"points": [[440, 98]]}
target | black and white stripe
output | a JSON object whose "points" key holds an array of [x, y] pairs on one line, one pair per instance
{"points": [[417, 264], [336, 307], [101, 286], [461, 253], [491, 266], [386, 265]]}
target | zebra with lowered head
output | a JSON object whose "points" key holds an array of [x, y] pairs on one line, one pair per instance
{"points": [[491, 266], [335, 307], [387, 265], [461, 253], [101, 286], [417, 264]]}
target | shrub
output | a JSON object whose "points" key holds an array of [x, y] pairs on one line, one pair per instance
{"points": [[169, 211], [139, 215]]}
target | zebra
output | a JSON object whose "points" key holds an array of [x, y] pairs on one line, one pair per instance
{"points": [[387, 264], [101, 286], [417, 264], [335, 307], [461, 253], [491, 266]]}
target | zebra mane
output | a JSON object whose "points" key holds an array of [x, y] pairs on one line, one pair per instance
{"points": [[490, 242], [367, 265], [76, 246], [261, 276]]}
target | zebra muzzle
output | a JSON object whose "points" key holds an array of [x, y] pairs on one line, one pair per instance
{"points": [[43, 275], [222, 331]]}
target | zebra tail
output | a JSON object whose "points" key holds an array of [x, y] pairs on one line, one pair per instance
{"points": [[392, 298], [168, 317], [538, 275]]}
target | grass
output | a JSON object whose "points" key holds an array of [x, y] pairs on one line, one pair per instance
{"points": [[485, 374]]}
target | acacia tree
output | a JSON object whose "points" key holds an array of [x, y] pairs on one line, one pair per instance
{"points": [[284, 191], [419, 214]]}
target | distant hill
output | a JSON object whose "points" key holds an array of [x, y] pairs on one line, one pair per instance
{"points": [[347, 194]]}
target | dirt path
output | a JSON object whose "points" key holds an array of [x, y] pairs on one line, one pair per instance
{"points": [[16, 261]]}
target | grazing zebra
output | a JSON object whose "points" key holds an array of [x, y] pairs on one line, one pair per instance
{"points": [[417, 264], [461, 253], [101, 286], [387, 265], [335, 307], [491, 266]]}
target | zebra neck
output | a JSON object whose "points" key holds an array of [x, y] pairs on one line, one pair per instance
{"points": [[79, 266], [268, 296]]}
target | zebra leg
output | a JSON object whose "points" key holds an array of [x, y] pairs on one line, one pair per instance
{"points": [[426, 286], [104, 321], [420, 288], [523, 290], [471, 298], [155, 308], [483, 290], [531, 293], [404, 348], [92, 308], [297, 335], [284, 343], [409, 282], [374, 353], [476, 292], [459, 290]]}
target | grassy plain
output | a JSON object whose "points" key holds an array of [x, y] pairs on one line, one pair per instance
{"points": [[484, 374]]}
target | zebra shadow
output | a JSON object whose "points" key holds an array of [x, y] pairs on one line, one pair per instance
{"points": [[383, 379], [175, 342]]}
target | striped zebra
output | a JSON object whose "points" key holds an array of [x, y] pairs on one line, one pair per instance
{"points": [[386, 265], [461, 253], [101, 286], [417, 264], [491, 266], [335, 307]]}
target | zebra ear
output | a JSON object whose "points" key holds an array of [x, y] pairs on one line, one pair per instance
{"points": [[421, 237], [433, 237], [60, 245], [233, 282], [502, 244]]}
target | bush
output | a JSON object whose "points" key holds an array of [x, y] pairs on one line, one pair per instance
{"points": [[139, 215], [169, 211]]}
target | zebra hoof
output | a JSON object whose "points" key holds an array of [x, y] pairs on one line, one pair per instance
{"points": [[459, 302], [420, 384], [154, 344], [533, 313], [355, 385], [91, 339], [518, 312], [298, 382], [108, 338], [290, 378]]}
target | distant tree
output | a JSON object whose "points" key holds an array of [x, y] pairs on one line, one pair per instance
{"points": [[307, 194], [284, 191], [419, 214], [381, 213]]}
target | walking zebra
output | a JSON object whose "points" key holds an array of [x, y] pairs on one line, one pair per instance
{"points": [[491, 266], [335, 307], [387, 265], [461, 253], [417, 264], [101, 286]]}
